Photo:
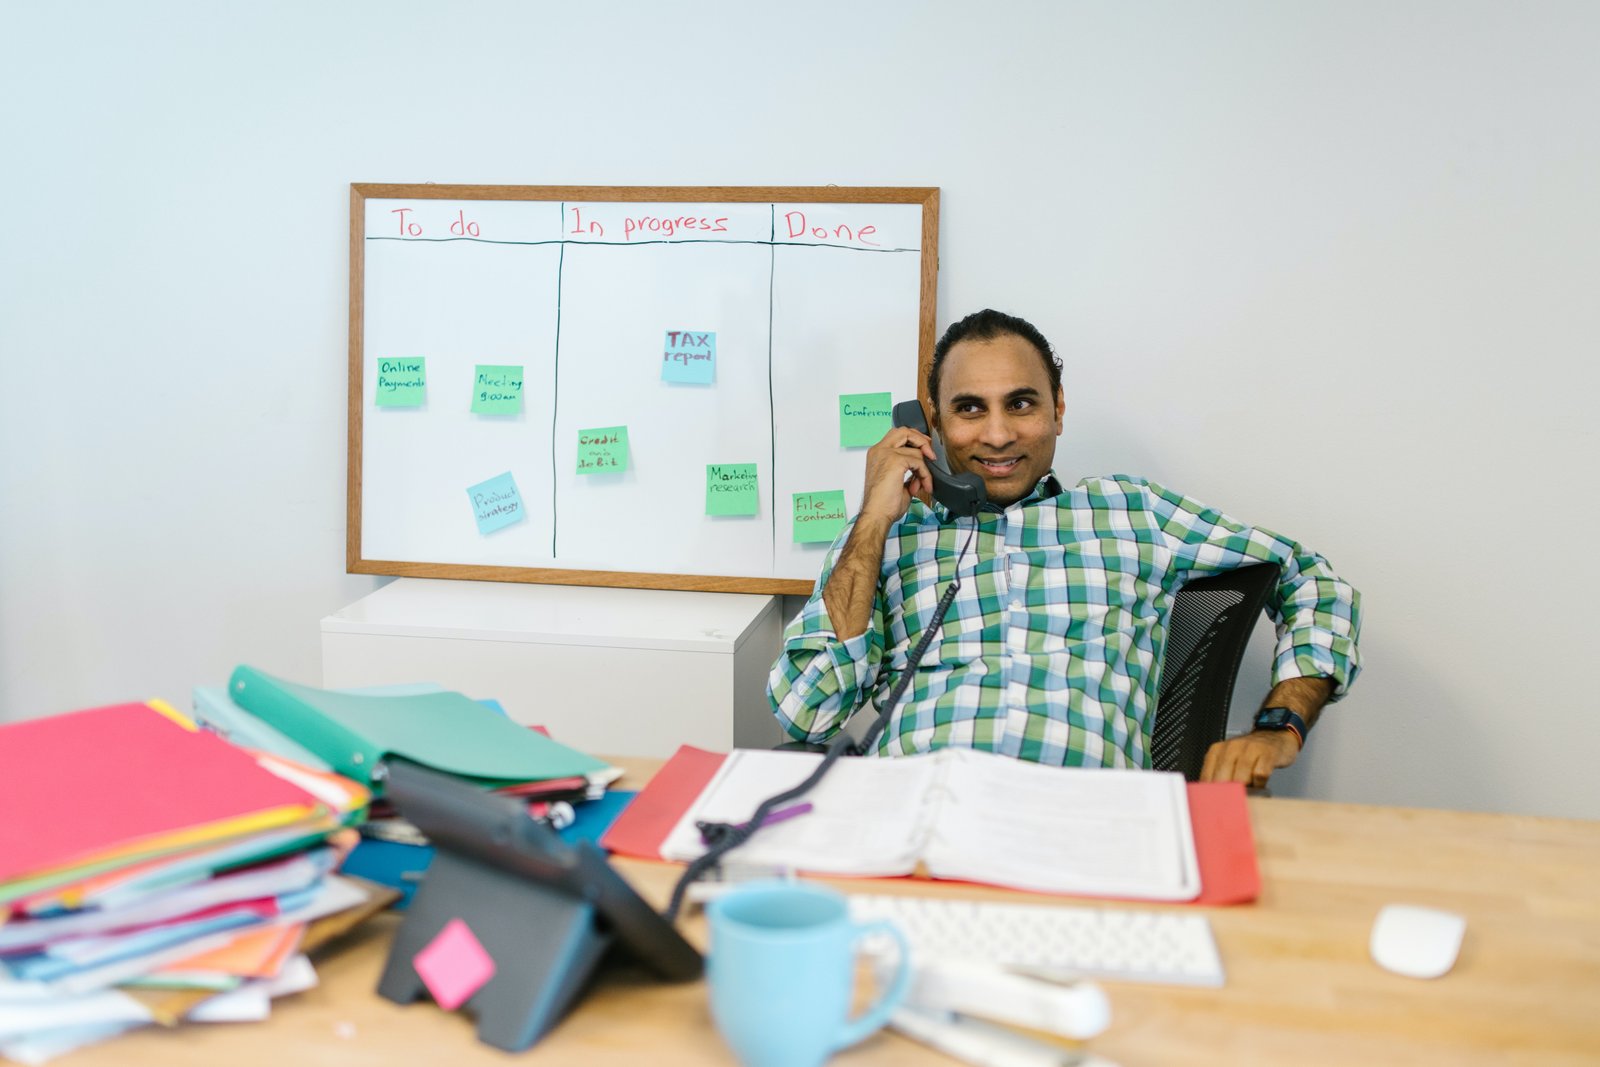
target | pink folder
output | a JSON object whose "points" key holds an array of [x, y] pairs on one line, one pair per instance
{"points": [[94, 783]]}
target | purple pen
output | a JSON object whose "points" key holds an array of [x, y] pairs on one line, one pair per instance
{"points": [[707, 833]]}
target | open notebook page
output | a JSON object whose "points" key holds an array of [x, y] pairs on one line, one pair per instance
{"points": [[867, 816], [1115, 833]]}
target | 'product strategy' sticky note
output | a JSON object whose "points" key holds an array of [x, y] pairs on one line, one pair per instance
{"points": [[689, 356], [603, 450], [731, 489], [818, 516], [496, 503], [496, 389], [402, 383], [864, 418]]}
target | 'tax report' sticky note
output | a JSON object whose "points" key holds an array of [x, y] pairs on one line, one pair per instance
{"points": [[864, 418], [689, 356], [496, 389], [731, 489], [402, 383], [818, 516], [603, 450], [454, 965], [496, 503]]}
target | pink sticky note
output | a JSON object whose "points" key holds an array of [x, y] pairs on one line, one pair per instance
{"points": [[454, 965]]}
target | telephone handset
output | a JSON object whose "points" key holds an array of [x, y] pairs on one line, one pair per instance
{"points": [[963, 494]]}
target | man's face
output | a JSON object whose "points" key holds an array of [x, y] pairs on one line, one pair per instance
{"points": [[997, 416]]}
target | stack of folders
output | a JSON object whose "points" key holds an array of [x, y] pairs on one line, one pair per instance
{"points": [[152, 872], [358, 733]]}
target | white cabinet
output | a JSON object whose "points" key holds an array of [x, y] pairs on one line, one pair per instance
{"points": [[626, 672]]}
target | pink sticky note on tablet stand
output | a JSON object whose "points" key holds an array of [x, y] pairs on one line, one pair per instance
{"points": [[454, 965]]}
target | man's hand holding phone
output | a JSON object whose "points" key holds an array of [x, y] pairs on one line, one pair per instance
{"points": [[897, 470]]}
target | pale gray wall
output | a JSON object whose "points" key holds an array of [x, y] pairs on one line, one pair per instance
{"points": [[1330, 266]]}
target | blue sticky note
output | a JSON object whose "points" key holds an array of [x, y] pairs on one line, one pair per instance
{"points": [[496, 503], [689, 356]]}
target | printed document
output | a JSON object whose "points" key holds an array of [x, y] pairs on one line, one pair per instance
{"points": [[962, 814]]}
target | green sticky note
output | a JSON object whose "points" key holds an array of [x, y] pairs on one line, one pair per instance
{"points": [[731, 489], [864, 418], [818, 516], [402, 383], [603, 450], [496, 389]]}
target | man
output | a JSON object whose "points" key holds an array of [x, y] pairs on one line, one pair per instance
{"points": [[1052, 648]]}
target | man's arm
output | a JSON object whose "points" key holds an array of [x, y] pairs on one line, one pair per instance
{"points": [[831, 650]]}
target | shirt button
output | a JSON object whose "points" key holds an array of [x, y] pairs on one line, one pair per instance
{"points": [[1016, 604]]}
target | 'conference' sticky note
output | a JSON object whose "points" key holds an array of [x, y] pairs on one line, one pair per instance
{"points": [[496, 389], [496, 503], [603, 450], [454, 965], [689, 356], [402, 383], [818, 516], [731, 489], [864, 418]]}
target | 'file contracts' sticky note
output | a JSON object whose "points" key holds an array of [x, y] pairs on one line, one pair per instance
{"points": [[818, 516]]}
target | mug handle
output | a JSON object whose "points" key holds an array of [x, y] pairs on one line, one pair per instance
{"points": [[872, 1020]]}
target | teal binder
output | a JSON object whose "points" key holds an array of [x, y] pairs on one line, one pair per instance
{"points": [[443, 731]]}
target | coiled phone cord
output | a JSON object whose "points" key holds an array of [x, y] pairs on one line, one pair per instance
{"points": [[725, 837]]}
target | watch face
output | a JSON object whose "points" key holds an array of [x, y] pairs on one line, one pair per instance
{"points": [[1273, 717]]}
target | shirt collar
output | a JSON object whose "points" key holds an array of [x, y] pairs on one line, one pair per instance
{"points": [[1048, 486]]}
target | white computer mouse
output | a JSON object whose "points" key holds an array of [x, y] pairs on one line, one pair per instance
{"points": [[1415, 941]]}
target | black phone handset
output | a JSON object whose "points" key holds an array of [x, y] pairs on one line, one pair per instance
{"points": [[963, 494]]}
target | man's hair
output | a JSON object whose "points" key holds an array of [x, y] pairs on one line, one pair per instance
{"points": [[986, 325]]}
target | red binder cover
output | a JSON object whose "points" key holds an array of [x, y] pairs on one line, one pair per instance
{"points": [[1218, 814]]}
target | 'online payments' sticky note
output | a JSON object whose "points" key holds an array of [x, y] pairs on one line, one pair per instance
{"points": [[402, 383]]}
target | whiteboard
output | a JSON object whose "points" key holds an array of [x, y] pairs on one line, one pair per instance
{"points": [[494, 330]]}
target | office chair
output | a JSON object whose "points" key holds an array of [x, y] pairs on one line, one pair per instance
{"points": [[1206, 636], [1210, 625]]}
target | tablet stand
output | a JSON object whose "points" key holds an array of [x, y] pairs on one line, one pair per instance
{"points": [[544, 942]]}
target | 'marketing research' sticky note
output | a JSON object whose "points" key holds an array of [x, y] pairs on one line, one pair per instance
{"points": [[402, 383], [496, 503], [818, 516], [731, 489], [496, 390], [603, 450], [864, 418], [689, 356]]}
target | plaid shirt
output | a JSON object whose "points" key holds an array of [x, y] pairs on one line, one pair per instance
{"points": [[1052, 649]]}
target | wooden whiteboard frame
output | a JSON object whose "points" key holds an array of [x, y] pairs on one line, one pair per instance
{"points": [[355, 563]]}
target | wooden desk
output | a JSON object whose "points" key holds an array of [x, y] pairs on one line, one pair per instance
{"points": [[1301, 989]]}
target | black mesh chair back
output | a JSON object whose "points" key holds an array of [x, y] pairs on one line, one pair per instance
{"points": [[1206, 636]]}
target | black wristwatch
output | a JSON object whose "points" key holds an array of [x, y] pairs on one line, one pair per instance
{"points": [[1282, 719]]}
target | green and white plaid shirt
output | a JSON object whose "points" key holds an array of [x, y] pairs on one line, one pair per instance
{"points": [[1052, 649]]}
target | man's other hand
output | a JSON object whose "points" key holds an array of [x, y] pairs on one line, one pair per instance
{"points": [[1250, 758]]}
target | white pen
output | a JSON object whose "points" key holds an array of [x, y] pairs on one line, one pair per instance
{"points": [[977, 1042]]}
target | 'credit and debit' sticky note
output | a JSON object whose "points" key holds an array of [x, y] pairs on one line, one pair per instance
{"points": [[731, 489], [402, 383], [603, 450], [818, 516]]}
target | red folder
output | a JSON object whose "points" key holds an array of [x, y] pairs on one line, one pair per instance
{"points": [[1218, 815]]}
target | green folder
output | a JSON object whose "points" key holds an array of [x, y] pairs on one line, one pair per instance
{"points": [[447, 732]]}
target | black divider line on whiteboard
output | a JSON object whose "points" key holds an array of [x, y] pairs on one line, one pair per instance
{"points": [[635, 244], [555, 401]]}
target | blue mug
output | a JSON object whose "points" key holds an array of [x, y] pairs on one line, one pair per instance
{"points": [[782, 973]]}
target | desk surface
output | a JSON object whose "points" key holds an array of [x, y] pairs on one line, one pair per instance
{"points": [[1301, 988]]}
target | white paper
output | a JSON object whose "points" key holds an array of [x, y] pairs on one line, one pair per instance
{"points": [[968, 815]]}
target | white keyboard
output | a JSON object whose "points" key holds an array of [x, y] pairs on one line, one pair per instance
{"points": [[1059, 943]]}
